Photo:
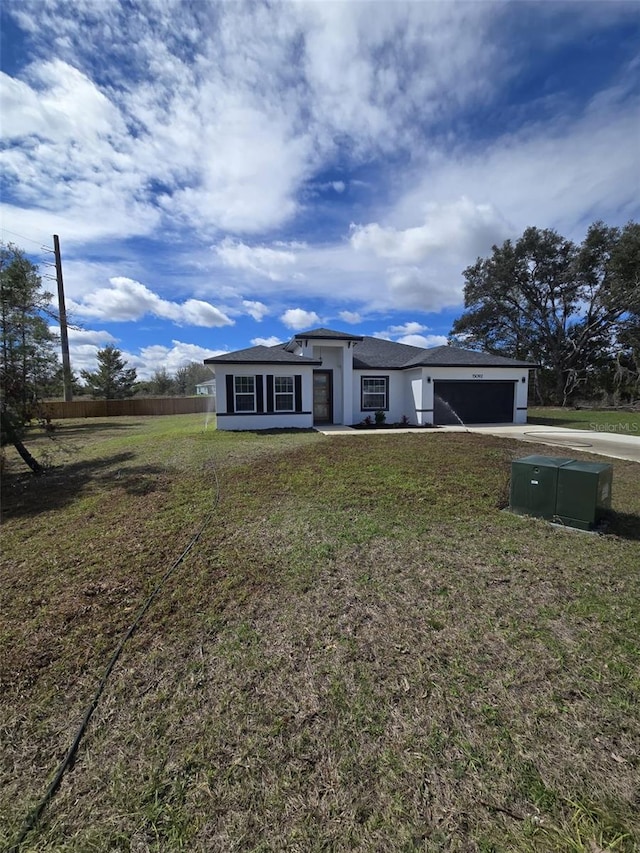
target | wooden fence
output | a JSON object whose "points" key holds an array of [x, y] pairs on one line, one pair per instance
{"points": [[58, 409]]}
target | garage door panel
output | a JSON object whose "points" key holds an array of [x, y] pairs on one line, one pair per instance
{"points": [[473, 402]]}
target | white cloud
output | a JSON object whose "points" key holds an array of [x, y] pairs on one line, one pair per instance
{"points": [[266, 342], [425, 341], [87, 337], [409, 328], [425, 288], [351, 317], [127, 300], [216, 120], [299, 319], [232, 108], [459, 227], [410, 333], [258, 259], [257, 310], [172, 358], [553, 174]]}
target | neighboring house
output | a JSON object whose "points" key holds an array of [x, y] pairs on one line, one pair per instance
{"points": [[206, 388], [325, 377]]}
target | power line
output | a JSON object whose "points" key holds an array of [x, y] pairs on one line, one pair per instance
{"points": [[24, 237]]}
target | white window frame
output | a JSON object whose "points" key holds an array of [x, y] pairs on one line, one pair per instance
{"points": [[243, 393], [364, 393], [278, 395]]}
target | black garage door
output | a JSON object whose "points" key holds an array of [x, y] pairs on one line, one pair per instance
{"points": [[473, 402]]}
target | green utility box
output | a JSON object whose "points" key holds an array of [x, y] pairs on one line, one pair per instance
{"points": [[584, 493], [534, 485], [574, 493]]}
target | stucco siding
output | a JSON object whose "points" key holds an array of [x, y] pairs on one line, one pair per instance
{"points": [[396, 401], [264, 374], [264, 421]]}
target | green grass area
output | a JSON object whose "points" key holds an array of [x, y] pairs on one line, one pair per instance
{"points": [[363, 652], [600, 420]]}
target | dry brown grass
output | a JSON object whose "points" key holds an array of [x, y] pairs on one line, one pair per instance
{"points": [[364, 652]]}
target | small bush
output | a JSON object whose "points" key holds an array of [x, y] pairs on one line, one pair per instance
{"points": [[380, 418]]}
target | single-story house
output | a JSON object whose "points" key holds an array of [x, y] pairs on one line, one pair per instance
{"points": [[326, 377], [207, 389]]}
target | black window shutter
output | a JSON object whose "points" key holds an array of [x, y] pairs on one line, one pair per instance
{"points": [[298, 395], [230, 397], [269, 393], [259, 394]]}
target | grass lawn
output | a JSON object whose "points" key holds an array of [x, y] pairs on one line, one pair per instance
{"points": [[601, 420], [362, 652]]}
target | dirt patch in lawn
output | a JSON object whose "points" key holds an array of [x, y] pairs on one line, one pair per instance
{"points": [[363, 653]]}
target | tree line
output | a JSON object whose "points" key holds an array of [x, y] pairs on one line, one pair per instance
{"points": [[574, 310]]}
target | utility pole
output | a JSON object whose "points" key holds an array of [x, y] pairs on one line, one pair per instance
{"points": [[64, 337]]}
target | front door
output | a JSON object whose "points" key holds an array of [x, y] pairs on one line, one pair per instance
{"points": [[322, 397]]}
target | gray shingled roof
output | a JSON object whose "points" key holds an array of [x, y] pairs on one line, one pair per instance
{"points": [[370, 354], [326, 334], [261, 355], [382, 355], [456, 357], [379, 353]]}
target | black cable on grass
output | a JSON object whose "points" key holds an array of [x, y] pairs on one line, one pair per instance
{"points": [[34, 816]]}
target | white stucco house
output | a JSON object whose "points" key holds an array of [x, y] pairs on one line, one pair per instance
{"points": [[328, 377], [206, 389]]}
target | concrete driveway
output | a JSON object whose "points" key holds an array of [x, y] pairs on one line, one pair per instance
{"points": [[615, 445]]}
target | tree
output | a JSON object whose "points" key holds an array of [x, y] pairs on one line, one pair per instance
{"points": [[161, 384], [189, 376], [28, 360], [112, 380], [556, 304]]}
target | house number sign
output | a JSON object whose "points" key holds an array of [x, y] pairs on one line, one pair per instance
{"points": [[477, 375]]}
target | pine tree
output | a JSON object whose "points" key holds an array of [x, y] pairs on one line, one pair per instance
{"points": [[112, 380], [28, 359]]}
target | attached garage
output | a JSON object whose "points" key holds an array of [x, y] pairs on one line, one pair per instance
{"points": [[482, 402]]}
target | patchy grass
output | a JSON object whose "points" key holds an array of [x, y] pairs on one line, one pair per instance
{"points": [[364, 651], [600, 420]]}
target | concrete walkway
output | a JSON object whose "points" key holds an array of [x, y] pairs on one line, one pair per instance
{"points": [[614, 445]]}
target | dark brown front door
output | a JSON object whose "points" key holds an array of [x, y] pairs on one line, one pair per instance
{"points": [[322, 397]]}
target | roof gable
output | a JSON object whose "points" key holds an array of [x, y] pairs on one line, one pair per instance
{"points": [[261, 355], [326, 335]]}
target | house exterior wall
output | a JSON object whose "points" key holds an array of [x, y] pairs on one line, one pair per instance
{"points": [[477, 374], [397, 397], [264, 420], [414, 394]]}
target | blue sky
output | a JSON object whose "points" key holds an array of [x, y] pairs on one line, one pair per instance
{"points": [[228, 173]]}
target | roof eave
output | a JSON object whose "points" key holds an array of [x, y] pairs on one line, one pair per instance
{"points": [[298, 360]]}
